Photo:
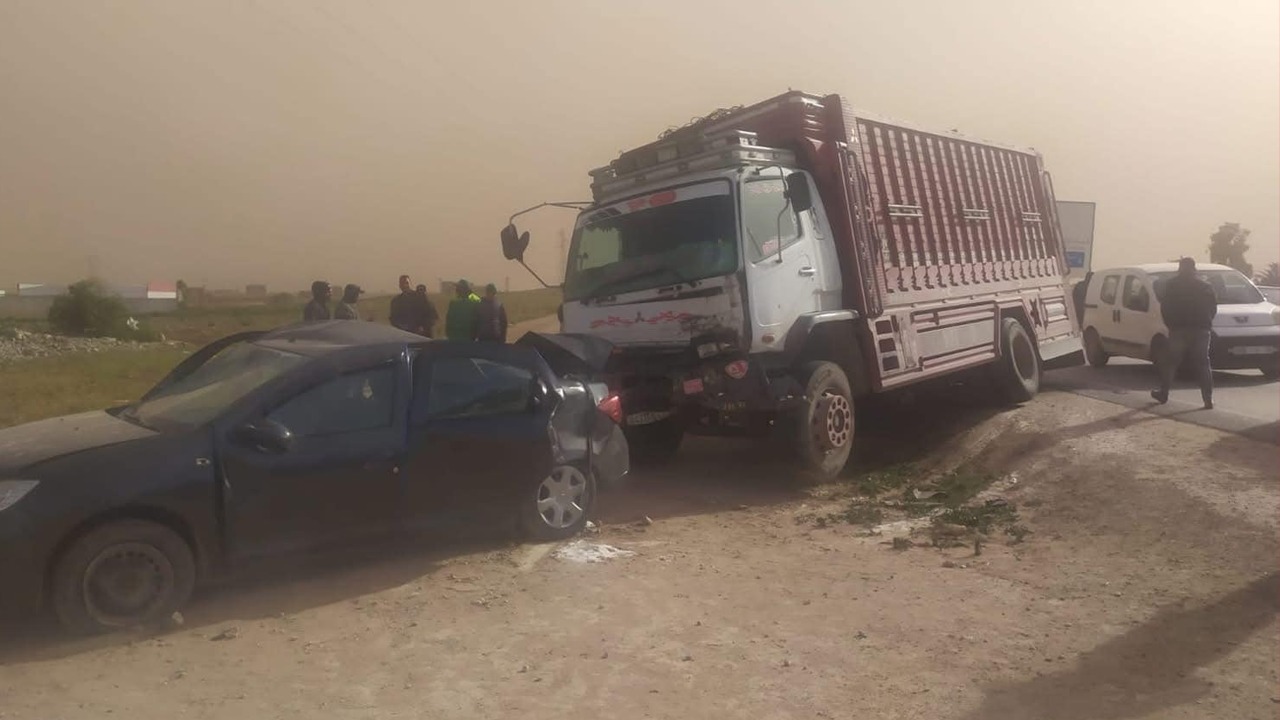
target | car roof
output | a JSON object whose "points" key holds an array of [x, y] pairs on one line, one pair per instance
{"points": [[1160, 268], [327, 337]]}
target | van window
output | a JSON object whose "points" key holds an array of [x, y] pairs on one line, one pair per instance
{"points": [[1109, 286], [1136, 297]]}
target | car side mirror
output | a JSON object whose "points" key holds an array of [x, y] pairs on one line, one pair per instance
{"points": [[514, 243], [798, 192], [265, 435]]}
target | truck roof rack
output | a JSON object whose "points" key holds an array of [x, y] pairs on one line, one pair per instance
{"points": [[680, 155]]}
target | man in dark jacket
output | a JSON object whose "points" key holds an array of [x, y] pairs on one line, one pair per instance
{"points": [[429, 327], [491, 317], [1188, 307], [346, 309], [409, 309], [318, 308], [1078, 294]]}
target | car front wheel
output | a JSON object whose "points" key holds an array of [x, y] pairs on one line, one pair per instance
{"points": [[122, 574], [556, 507]]}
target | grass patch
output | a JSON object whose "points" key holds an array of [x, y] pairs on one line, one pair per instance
{"points": [[994, 513], [48, 387]]}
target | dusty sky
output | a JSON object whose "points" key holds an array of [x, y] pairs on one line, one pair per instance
{"points": [[235, 141]]}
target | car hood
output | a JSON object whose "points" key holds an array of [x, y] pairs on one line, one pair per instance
{"points": [[26, 445], [1252, 315]]}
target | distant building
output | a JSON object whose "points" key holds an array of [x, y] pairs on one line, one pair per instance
{"points": [[40, 290], [162, 290], [255, 292]]}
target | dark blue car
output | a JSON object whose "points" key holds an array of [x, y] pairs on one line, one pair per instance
{"points": [[314, 435]]}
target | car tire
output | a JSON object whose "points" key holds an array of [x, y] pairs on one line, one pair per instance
{"points": [[1017, 372], [654, 443], [1093, 352], [122, 574], [557, 506], [820, 431]]}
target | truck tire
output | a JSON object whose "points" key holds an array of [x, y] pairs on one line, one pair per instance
{"points": [[1093, 351], [821, 430], [1017, 373], [122, 574], [654, 443]]}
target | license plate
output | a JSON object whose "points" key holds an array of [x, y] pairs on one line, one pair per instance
{"points": [[647, 418], [693, 386], [1251, 350]]}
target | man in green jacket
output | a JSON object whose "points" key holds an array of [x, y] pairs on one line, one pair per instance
{"points": [[460, 321]]}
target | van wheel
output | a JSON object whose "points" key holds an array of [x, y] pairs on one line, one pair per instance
{"points": [[821, 430], [122, 574], [1017, 373], [1093, 351], [654, 443]]}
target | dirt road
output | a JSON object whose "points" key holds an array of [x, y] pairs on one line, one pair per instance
{"points": [[1146, 588]]}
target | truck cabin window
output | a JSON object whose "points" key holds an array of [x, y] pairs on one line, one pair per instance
{"points": [[762, 202], [615, 250]]}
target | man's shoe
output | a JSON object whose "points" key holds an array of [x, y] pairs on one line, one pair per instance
{"points": [[1208, 404], [1160, 396]]}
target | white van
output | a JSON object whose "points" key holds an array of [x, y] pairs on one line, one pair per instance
{"points": [[1122, 317]]}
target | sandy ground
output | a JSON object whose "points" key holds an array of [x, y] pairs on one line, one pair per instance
{"points": [[1146, 589]]}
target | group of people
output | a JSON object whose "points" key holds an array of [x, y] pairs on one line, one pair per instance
{"points": [[469, 317]]}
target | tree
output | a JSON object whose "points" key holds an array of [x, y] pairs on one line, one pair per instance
{"points": [[1228, 246], [181, 287], [1270, 278]]}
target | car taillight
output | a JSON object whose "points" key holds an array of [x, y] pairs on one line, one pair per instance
{"points": [[612, 406], [736, 369]]}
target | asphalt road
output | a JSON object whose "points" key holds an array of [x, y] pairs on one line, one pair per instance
{"points": [[1244, 401]]}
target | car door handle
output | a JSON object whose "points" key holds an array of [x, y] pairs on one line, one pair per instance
{"points": [[808, 271]]}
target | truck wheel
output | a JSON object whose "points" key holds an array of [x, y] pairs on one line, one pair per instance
{"points": [[654, 443], [122, 574], [1093, 351], [1017, 373], [822, 428]]}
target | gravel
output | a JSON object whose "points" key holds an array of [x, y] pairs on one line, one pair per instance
{"points": [[17, 344]]}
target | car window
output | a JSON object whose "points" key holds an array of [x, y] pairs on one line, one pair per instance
{"points": [[470, 387], [1109, 286], [357, 401], [762, 200], [1136, 295]]}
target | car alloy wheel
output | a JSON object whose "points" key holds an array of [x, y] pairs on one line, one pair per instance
{"points": [[562, 497]]}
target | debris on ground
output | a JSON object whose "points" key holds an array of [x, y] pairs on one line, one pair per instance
{"points": [[230, 633], [581, 551]]}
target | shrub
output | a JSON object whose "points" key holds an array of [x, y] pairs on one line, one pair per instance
{"points": [[88, 311]]}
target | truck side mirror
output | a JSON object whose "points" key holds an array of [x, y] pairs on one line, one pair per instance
{"points": [[514, 243], [798, 192]]}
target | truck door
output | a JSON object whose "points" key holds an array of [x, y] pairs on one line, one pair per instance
{"points": [[781, 260]]}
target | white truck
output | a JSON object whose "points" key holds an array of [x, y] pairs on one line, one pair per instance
{"points": [[760, 270]]}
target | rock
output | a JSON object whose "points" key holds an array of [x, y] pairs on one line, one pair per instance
{"points": [[786, 663], [647, 520], [948, 564], [523, 669], [230, 633], [901, 543], [177, 620], [687, 658]]}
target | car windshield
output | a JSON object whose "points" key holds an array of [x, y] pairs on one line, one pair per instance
{"points": [[1229, 286], [213, 387], [662, 239]]}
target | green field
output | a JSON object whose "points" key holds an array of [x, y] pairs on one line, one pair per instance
{"points": [[48, 387]]}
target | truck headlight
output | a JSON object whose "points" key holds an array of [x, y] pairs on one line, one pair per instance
{"points": [[11, 491]]}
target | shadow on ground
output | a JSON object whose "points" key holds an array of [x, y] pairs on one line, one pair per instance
{"points": [[1145, 670]]}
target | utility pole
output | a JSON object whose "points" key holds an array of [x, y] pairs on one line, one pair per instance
{"points": [[564, 254]]}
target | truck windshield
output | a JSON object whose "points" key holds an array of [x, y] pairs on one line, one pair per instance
{"points": [[661, 239], [1230, 286]]}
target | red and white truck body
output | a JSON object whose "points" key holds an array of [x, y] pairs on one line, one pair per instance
{"points": [[733, 259]]}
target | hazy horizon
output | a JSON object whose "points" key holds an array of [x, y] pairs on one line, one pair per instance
{"points": [[278, 141]]}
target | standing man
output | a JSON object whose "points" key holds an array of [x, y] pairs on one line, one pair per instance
{"points": [[429, 326], [1188, 308], [407, 310], [460, 321], [491, 317], [318, 308], [346, 309]]}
